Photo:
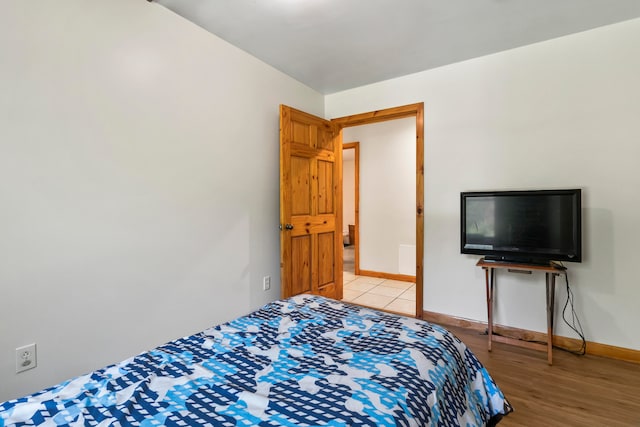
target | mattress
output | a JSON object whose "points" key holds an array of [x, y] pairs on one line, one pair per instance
{"points": [[303, 361]]}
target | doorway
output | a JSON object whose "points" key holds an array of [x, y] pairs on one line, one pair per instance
{"points": [[311, 202], [414, 111], [384, 277], [350, 207]]}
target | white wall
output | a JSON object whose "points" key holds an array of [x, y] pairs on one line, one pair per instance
{"points": [[138, 182], [563, 113], [387, 191]]}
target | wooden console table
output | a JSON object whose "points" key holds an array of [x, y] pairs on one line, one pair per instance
{"points": [[551, 271]]}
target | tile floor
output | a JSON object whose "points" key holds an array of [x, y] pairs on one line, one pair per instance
{"points": [[392, 295]]}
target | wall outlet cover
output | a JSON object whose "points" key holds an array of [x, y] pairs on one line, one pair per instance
{"points": [[26, 358]]}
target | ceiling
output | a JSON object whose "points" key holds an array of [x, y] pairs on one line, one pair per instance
{"points": [[333, 45]]}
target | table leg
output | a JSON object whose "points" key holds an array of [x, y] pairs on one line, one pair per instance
{"points": [[489, 281], [551, 291]]}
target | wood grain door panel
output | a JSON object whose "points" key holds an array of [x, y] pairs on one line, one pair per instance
{"points": [[300, 171], [301, 264], [326, 261], [325, 185]]}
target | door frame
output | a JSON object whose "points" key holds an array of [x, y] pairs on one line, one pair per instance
{"points": [[417, 111]]}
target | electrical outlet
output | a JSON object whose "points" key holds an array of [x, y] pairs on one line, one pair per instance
{"points": [[26, 358], [266, 283]]}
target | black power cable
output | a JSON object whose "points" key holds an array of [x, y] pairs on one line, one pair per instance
{"points": [[575, 321]]}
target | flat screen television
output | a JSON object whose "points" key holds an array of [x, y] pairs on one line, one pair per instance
{"points": [[534, 227]]}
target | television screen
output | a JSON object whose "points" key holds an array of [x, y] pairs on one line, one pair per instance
{"points": [[523, 226]]}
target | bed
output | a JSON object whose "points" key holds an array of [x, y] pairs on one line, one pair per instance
{"points": [[303, 361]]}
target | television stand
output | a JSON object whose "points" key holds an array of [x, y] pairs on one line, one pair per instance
{"points": [[524, 261], [551, 271]]}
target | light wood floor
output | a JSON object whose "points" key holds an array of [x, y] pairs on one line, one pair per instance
{"points": [[575, 391]]}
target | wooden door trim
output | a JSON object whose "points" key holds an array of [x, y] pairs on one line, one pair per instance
{"points": [[388, 276], [381, 115], [356, 226], [417, 111]]}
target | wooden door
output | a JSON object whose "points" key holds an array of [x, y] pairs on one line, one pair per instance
{"points": [[310, 205]]}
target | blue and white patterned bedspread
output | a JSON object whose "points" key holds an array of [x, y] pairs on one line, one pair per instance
{"points": [[304, 361]]}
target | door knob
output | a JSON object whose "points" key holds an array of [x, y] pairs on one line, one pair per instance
{"points": [[288, 226]]}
